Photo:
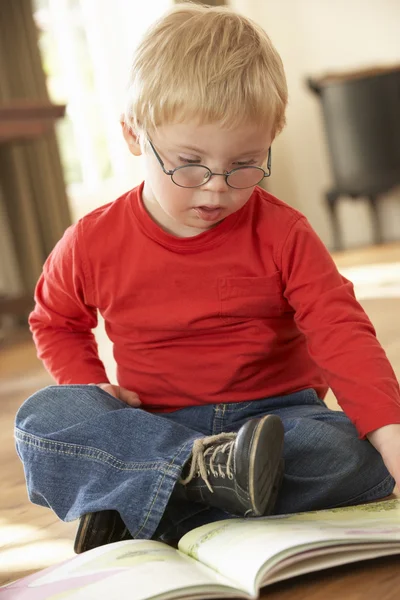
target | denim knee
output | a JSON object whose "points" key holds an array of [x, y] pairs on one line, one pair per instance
{"points": [[57, 407], [327, 465], [31, 416]]}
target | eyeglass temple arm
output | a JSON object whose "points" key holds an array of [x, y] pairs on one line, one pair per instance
{"points": [[269, 161], [160, 160]]}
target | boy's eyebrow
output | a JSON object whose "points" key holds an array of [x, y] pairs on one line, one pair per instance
{"points": [[192, 148], [200, 151]]}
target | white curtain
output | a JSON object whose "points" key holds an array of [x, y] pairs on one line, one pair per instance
{"points": [[111, 31]]}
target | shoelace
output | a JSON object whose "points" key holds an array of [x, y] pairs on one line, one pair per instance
{"points": [[206, 446]]}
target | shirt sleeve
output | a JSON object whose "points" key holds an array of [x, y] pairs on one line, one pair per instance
{"points": [[340, 337], [64, 316]]}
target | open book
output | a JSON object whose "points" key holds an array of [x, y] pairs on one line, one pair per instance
{"points": [[232, 558]]}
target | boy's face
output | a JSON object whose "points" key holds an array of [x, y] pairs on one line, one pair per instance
{"points": [[186, 212]]}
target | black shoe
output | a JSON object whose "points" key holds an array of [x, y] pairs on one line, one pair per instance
{"points": [[237, 471], [100, 528]]}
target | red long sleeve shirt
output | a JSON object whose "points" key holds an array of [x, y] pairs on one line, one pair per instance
{"points": [[252, 308]]}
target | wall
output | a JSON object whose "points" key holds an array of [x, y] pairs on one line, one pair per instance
{"points": [[314, 37]]}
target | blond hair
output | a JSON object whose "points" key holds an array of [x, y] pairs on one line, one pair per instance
{"points": [[208, 64]]}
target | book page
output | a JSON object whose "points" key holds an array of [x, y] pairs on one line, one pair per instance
{"points": [[243, 550], [134, 569], [323, 558]]}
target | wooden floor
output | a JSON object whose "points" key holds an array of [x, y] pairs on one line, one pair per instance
{"points": [[32, 538]]}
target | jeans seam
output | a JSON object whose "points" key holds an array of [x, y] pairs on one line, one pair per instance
{"points": [[147, 516], [44, 445], [223, 417], [216, 419], [238, 406]]}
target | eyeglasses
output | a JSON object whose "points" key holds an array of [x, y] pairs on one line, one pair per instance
{"points": [[192, 176]]}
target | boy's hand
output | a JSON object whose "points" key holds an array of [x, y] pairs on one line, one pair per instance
{"points": [[387, 441], [121, 393]]}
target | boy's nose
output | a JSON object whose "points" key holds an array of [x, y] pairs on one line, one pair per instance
{"points": [[217, 183]]}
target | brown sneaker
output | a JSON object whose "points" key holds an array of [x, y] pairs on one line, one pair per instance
{"points": [[238, 472], [100, 528]]}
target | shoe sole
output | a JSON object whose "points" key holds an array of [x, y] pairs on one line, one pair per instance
{"points": [[97, 529], [268, 439], [85, 523], [275, 488]]}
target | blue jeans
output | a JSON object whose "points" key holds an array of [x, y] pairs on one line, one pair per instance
{"points": [[84, 451]]}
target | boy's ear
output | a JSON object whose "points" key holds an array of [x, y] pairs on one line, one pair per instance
{"points": [[131, 138]]}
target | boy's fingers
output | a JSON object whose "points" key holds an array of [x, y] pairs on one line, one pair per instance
{"points": [[392, 463], [109, 388], [129, 397], [121, 393]]}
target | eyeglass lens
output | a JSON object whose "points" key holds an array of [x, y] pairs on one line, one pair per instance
{"points": [[196, 175]]}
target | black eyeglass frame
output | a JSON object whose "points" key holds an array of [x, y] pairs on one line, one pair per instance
{"points": [[226, 175]]}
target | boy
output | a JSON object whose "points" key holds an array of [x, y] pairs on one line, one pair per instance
{"points": [[228, 317]]}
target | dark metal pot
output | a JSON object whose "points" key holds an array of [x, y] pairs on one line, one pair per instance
{"points": [[362, 120]]}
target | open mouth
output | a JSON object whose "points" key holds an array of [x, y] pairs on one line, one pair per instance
{"points": [[209, 213]]}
